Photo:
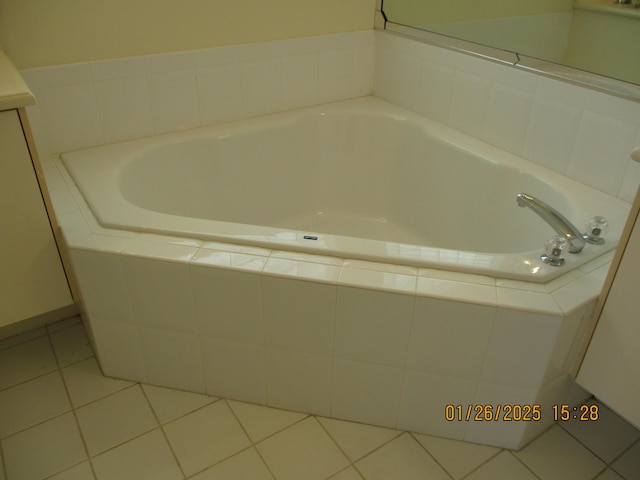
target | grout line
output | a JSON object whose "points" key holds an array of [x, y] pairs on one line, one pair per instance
{"points": [[430, 455], [160, 426], [524, 464], [468, 474], [73, 412]]}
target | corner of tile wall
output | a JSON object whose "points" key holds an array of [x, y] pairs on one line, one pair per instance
{"points": [[93, 103], [584, 134]]}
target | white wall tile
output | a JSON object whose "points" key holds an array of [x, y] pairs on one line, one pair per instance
{"points": [[424, 399], [299, 46], [125, 111], [169, 62], [234, 370], [508, 117], [551, 135], [259, 51], [299, 381], [300, 80], [172, 359], [449, 338], [363, 61], [383, 73], [261, 87], [299, 315], [174, 100], [364, 392], [507, 434], [469, 103], [58, 75], [210, 57], [160, 294], [228, 304], [372, 326], [72, 117], [335, 75], [406, 80], [118, 68], [631, 180], [220, 93], [519, 348], [118, 349], [436, 91], [601, 163], [104, 291]]}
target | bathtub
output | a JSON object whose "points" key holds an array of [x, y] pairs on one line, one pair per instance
{"points": [[351, 260], [360, 179]]}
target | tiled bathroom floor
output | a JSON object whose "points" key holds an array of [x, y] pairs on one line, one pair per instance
{"points": [[60, 418]]}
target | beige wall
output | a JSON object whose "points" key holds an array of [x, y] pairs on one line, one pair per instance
{"points": [[421, 12], [46, 32]]}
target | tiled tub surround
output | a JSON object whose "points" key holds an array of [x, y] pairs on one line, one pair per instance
{"points": [[371, 342], [358, 179], [377, 343], [95, 103], [584, 134], [380, 344]]}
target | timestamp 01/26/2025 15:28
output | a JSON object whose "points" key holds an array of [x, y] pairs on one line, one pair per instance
{"points": [[519, 413]]}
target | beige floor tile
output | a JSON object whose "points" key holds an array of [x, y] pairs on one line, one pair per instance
{"points": [[32, 402], [115, 419], [169, 404], [86, 383], [502, 466], [458, 458], [260, 422], [556, 455], [27, 360], [348, 474], [22, 338], [79, 472], [242, 466], [57, 443], [71, 345], [401, 459], [303, 450], [62, 324], [145, 457], [357, 439], [206, 437], [609, 474], [607, 437], [628, 465]]}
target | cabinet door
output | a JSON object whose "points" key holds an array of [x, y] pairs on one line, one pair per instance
{"points": [[32, 280], [611, 366]]}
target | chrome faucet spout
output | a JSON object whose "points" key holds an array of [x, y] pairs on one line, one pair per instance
{"points": [[554, 219]]}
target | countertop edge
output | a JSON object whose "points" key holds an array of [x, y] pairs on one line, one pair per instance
{"points": [[14, 92]]}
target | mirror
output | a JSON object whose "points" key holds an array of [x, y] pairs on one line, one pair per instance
{"points": [[596, 36]]}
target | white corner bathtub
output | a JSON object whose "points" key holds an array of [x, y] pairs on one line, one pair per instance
{"points": [[358, 179], [350, 260]]}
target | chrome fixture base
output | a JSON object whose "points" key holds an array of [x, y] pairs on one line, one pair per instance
{"points": [[593, 240], [554, 262]]}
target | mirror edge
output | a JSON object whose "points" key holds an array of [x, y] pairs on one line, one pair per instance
{"points": [[628, 91]]}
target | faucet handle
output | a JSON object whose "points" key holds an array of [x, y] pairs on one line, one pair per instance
{"points": [[553, 250], [597, 228]]}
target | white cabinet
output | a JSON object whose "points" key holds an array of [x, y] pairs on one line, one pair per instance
{"points": [[611, 367], [32, 279]]}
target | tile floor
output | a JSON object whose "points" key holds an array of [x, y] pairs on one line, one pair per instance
{"points": [[60, 418]]}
